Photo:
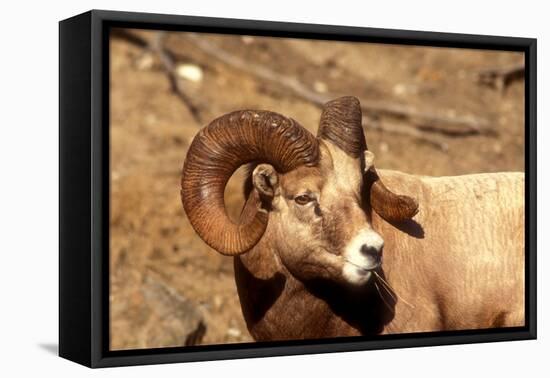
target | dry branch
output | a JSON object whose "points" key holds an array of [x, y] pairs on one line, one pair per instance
{"points": [[412, 122], [129, 37], [501, 77], [426, 121], [400, 129], [168, 62], [169, 67]]}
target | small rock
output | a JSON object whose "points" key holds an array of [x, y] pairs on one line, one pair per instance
{"points": [[234, 332], [190, 72], [145, 62], [150, 119], [247, 39], [175, 320], [399, 89], [451, 112], [384, 147], [402, 89], [320, 87], [218, 302]]}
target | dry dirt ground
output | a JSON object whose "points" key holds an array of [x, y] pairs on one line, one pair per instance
{"points": [[164, 280]]}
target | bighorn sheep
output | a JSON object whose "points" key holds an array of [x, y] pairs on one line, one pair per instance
{"points": [[308, 246]]}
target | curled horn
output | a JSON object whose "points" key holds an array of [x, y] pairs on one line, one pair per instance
{"points": [[217, 151], [390, 206], [341, 124]]}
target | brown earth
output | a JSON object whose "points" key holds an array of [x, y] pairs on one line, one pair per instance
{"points": [[164, 279]]}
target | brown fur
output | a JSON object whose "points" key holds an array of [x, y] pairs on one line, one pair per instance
{"points": [[457, 265]]}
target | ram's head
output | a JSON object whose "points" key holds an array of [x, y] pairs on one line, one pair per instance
{"points": [[311, 197]]}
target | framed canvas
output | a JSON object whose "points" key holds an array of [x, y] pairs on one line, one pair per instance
{"points": [[234, 188]]}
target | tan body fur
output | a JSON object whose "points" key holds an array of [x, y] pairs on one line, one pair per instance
{"points": [[459, 264]]}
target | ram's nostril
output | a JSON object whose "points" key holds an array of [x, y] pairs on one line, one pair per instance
{"points": [[370, 251]]}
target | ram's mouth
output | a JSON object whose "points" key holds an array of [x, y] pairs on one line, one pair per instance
{"points": [[363, 268]]}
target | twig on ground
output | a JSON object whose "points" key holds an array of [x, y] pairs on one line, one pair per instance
{"points": [[501, 77], [169, 67], [396, 128], [425, 121], [168, 63], [129, 37]]}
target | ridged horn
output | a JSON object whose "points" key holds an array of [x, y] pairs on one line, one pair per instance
{"points": [[390, 206], [341, 124], [220, 148]]}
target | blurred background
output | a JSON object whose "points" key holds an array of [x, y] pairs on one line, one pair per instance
{"points": [[429, 111]]}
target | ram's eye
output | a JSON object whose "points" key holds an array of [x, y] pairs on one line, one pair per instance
{"points": [[303, 199]]}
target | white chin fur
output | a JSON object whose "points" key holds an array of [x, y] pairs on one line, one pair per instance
{"points": [[355, 275]]}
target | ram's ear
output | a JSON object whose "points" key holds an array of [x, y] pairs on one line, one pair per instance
{"points": [[266, 181], [368, 159]]}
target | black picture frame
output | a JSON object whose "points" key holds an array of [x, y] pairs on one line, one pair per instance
{"points": [[84, 187]]}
